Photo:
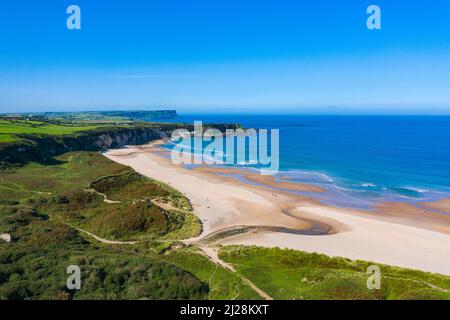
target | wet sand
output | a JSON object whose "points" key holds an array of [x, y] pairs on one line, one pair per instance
{"points": [[266, 180], [392, 234], [441, 205]]}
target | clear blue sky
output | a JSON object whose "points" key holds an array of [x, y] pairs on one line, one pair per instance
{"points": [[311, 56]]}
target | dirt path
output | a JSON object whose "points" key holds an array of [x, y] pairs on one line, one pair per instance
{"points": [[213, 256], [209, 252], [104, 240], [165, 205], [105, 198]]}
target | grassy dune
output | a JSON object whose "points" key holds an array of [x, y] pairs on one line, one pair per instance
{"points": [[290, 274], [222, 283]]}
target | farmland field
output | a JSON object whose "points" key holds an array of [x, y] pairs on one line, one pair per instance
{"points": [[10, 128]]}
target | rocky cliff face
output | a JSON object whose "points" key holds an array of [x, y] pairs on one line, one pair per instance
{"points": [[127, 137], [42, 148]]}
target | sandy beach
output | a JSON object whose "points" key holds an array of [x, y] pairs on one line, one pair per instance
{"points": [[394, 234]]}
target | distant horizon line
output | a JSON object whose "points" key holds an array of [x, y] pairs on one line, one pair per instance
{"points": [[256, 113]]}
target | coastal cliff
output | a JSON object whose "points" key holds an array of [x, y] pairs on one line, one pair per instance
{"points": [[43, 148]]}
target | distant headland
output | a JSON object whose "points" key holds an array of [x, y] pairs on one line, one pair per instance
{"points": [[128, 115]]}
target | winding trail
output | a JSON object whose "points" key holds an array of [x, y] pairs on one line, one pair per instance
{"points": [[102, 240], [212, 255], [105, 198], [207, 251]]}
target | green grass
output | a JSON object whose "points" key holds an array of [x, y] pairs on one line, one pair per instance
{"points": [[10, 128], [182, 225], [75, 171], [139, 187], [63, 191], [5, 137], [223, 284], [40, 204], [290, 274], [34, 266]]}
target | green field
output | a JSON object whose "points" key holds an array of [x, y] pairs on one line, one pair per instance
{"points": [[5, 137], [99, 116], [10, 128]]}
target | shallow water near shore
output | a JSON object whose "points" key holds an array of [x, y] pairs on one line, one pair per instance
{"points": [[358, 160]]}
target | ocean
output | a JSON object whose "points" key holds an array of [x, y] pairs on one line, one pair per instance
{"points": [[358, 160]]}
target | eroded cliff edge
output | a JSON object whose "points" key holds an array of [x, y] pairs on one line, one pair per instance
{"points": [[43, 148]]}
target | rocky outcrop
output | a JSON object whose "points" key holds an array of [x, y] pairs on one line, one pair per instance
{"points": [[5, 237]]}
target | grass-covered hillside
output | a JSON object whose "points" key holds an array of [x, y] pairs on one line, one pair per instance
{"points": [[44, 207], [89, 191], [34, 265], [291, 274]]}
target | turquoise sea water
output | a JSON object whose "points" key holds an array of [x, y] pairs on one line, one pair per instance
{"points": [[359, 160]]}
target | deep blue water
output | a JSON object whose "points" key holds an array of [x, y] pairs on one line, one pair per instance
{"points": [[359, 159]]}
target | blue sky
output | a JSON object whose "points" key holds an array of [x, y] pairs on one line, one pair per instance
{"points": [[299, 56]]}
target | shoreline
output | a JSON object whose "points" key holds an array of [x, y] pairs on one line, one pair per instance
{"points": [[387, 235]]}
